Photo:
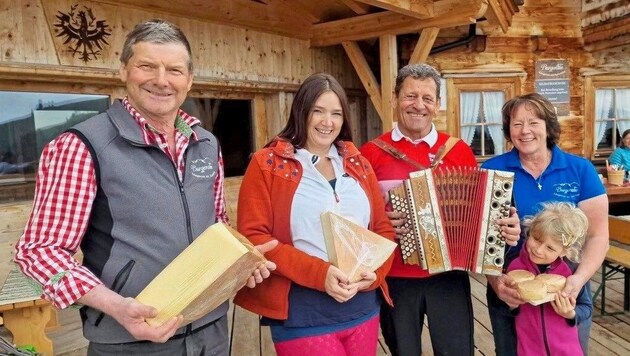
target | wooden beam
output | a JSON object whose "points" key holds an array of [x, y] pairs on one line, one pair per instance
{"points": [[500, 16], [447, 13], [260, 122], [21, 73], [365, 74], [606, 32], [420, 9], [389, 67], [424, 45], [357, 7]]}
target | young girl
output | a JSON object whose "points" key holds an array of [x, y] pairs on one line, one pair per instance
{"points": [[557, 231]]}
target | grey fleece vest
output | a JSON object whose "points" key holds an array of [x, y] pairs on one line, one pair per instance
{"points": [[142, 217]]}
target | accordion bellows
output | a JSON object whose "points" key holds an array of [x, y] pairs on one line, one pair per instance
{"points": [[203, 276], [352, 248], [450, 217]]}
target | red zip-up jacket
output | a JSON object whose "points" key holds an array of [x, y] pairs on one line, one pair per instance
{"points": [[264, 210]]}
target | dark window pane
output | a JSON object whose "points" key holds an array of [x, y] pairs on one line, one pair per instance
{"points": [[475, 145], [607, 140], [231, 122], [488, 143]]}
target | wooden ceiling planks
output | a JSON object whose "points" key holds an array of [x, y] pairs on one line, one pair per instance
{"points": [[420, 9], [447, 13]]}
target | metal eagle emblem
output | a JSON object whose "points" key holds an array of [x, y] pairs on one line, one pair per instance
{"points": [[86, 35]]}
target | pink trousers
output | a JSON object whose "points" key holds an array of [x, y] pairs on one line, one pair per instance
{"points": [[360, 340]]}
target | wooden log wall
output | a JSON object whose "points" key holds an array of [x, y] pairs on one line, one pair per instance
{"points": [[542, 29], [229, 62]]}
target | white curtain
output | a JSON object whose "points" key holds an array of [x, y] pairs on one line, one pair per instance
{"points": [[603, 101], [492, 103], [622, 109], [469, 111]]}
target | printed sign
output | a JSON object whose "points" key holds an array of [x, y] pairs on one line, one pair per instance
{"points": [[552, 82]]}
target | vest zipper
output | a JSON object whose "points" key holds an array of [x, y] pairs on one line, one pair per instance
{"points": [[544, 330], [182, 193]]}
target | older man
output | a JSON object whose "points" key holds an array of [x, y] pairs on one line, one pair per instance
{"points": [[444, 298], [124, 186]]}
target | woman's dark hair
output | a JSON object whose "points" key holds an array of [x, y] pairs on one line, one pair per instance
{"points": [[541, 107], [625, 133], [311, 89]]}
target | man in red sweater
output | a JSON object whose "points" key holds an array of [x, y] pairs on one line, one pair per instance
{"points": [[444, 298]]}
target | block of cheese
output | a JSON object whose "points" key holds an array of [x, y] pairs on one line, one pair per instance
{"points": [[352, 248], [207, 273]]}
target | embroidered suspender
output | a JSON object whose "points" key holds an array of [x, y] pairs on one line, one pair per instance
{"points": [[393, 151]]}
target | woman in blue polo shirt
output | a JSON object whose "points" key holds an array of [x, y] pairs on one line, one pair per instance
{"points": [[544, 173]]}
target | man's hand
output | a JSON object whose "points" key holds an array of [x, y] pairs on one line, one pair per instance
{"points": [[505, 288], [564, 306], [132, 315], [510, 227], [335, 282], [264, 270], [398, 220]]}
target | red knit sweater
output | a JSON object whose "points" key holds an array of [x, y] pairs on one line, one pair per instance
{"points": [[264, 209], [391, 169]]}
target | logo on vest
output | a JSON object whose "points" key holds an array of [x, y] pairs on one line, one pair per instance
{"points": [[202, 168]]}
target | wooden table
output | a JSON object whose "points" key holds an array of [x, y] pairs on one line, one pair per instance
{"points": [[618, 194]]}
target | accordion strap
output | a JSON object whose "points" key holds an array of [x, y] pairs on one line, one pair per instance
{"points": [[441, 153]]}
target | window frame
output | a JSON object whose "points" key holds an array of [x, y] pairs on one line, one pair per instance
{"points": [[508, 83], [591, 85]]}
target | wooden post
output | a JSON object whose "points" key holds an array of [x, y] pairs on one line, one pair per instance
{"points": [[389, 68]]}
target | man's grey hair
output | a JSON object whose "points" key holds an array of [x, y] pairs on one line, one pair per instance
{"points": [[155, 31], [418, 71]]}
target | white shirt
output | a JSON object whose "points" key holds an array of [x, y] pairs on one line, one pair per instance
{"points": [[315, 195], [430, 138]]}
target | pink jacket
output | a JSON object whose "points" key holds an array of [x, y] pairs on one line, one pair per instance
{"points": [[264, 209], [539, 330]]}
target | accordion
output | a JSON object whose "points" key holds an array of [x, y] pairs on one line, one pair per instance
{"points": [[450, 217]]}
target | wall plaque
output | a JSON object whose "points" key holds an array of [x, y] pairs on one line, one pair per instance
{"points": [[552, 82]]}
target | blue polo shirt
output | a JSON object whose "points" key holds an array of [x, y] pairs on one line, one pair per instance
{"points": [[568, 178]]}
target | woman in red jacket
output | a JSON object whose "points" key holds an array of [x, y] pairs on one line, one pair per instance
{"points": [[309, 168]]}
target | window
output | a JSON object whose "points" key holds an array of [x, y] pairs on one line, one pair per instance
{"points": [[29, 121], [474, 109], [480, 125], [612, 117], [606, 114]]}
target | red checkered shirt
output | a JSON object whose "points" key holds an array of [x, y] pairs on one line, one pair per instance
{"points": [[64, 193]]}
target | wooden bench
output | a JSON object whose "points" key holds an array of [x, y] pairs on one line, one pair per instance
{"points": [[23, 313], [617, 262]]}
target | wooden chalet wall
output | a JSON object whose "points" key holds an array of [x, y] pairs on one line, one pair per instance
{"points": [[542, 29], [606, 33], [230, 62]]}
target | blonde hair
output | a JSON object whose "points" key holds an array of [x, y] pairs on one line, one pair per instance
{"points": [[563, 222]]}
